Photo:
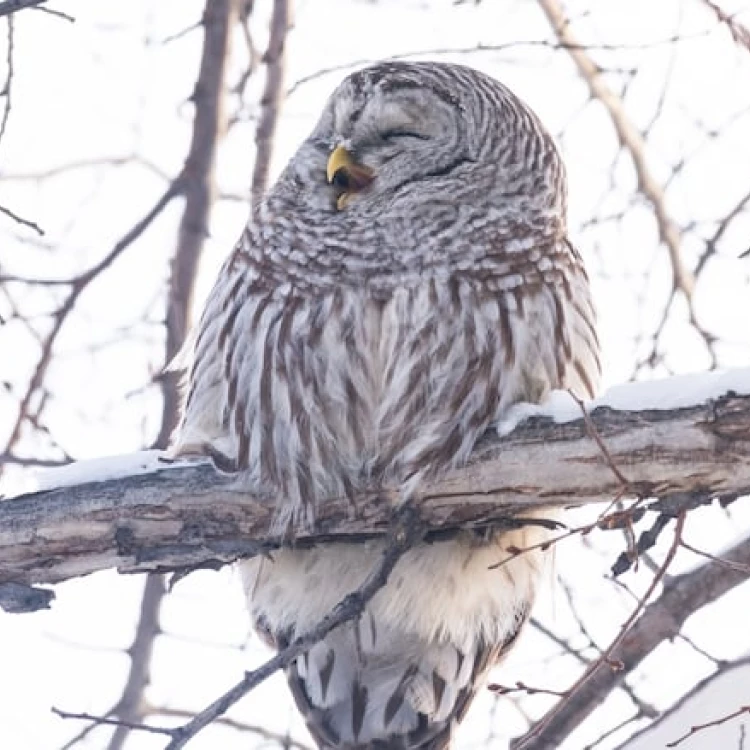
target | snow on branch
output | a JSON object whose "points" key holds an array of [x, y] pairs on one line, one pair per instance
{"points": [[679, 442]]}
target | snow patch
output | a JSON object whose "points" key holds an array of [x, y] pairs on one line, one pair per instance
{"points": [[102, 469], [677, 392]]}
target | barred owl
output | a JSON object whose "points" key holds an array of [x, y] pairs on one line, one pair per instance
{"points": [[406, 281]]}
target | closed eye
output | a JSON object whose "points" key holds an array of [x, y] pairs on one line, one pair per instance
{"points": [[391, 135]]}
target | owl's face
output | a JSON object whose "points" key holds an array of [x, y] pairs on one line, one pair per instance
{"points": [[420, 132], [384, 133]]}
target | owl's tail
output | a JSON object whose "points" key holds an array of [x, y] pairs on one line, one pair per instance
{"points": [[368, 688], [402, 675]]}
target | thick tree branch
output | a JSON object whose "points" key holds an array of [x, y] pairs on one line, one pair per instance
{"points": [[191, 515]]}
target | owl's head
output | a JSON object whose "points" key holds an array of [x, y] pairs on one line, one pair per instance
{"points": [[422, 132]]}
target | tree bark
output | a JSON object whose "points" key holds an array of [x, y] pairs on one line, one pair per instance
{"points": [[187, 516]]}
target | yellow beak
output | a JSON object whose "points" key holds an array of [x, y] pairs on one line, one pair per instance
{"points": [[340, 158], [345, 173]]}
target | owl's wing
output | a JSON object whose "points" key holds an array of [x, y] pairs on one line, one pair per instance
{"points": [[576, 339], [547, 324], [222, 367]]}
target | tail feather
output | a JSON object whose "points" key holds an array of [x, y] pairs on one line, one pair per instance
{"points": [[360, 689]]}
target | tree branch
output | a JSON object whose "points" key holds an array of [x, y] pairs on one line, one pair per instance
{"points": [[190, 515], [632, 141], [13, 6], [683, 595], [199, 189], [129, 709], [630, 138], [199, 173], [273, 95]]}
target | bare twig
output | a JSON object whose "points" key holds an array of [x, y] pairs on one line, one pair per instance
{"points": [[740, 33], [129, 709], [521, 687], [20, 220], [591, 427], [699, 695], [271, 99], [682, 596], [78, 285], [109, 721], [540, 732], [707, 725], [48, 463], [200, 193], [286, 742], [7, 89], [631, 139], [713, 241], [730, 564], [504, 47], [406, 532]]}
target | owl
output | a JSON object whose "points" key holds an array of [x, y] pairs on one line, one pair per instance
{"points": [[406, 281]]}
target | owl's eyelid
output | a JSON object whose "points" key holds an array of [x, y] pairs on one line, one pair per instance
{"points": [[402, 133]]}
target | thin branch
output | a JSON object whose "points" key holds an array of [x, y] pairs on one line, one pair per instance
{"points": [[129, 708], [591, 427], [20, 220], [287, 742], [106, 720], [209, 126], [78, 286], [629, 136], [504, 47], [63, 170], [631, 139], [707, 725], [13, 6], [713, 241], [740, 33], [681, 712], [199, 189], [270, 102], [8, 85], [541, 734], [406, 531], [47, 463], [682, 596], [730, 564]]}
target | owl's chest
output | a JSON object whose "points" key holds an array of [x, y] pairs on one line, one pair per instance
{"points": [[368, 359], [351, 386]]}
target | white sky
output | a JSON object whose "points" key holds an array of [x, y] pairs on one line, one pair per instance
{"points": [[93, 89]]}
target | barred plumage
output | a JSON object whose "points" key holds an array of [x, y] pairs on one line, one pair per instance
{"points": [[405, 282]]}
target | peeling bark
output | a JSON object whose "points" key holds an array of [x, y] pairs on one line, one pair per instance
{"points": [[187, 516]]}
